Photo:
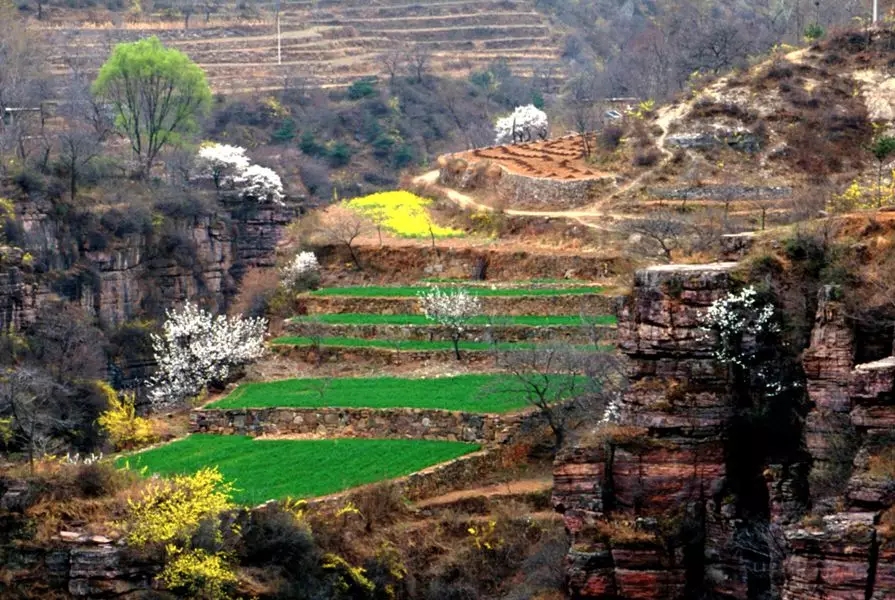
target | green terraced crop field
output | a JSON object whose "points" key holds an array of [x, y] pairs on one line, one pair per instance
{"points": [[526, 320], [470, 393], [482, 290], [274, 469]]}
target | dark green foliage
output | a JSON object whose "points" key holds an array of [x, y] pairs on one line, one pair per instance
{"points": [[308, 144], [339, 155], [362, 88], [285, 133]]}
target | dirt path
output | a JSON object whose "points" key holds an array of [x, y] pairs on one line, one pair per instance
{"points": [[521, 486]]}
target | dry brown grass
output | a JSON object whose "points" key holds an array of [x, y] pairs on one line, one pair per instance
{"points": [[883, 464], [622, 532]]}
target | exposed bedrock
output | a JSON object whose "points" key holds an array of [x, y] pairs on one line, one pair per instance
{"points": [[681, 498]]}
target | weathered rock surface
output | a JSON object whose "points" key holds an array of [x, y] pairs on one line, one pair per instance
{"points": [[667, 461], [137, 274]]}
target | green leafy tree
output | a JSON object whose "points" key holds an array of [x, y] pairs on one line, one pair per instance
{"points": [[882, 148], [157, 94]]}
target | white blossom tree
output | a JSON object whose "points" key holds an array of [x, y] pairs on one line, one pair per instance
{"points": [[197, 348], [452, 310], [222, 163], [303, 273], [525, 124], [260, 183]]}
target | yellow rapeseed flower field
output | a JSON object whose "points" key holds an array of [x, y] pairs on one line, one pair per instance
{"points": [[402, 213]]}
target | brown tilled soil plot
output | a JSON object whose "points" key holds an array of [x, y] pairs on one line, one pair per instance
{"points": [[560, 158]]}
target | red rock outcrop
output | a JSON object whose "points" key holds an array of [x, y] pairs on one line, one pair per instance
{"points": [[657, 509]]}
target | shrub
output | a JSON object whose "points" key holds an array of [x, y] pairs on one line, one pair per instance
{"points": [[302, 274], [339, 155], [361, 88], [647, 158], [169, 513], [611, 136], [120, 421]]}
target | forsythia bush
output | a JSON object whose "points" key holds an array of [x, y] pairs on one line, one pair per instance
{"points": [[125, 429], [401, 212], [198, 573], [859, 197], [169, 512]]}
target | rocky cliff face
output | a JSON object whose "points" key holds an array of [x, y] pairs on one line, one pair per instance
{"points": [[674, 500], [137, 274]]}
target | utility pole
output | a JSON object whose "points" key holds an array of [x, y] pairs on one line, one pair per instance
{"points": [[280, 47]]}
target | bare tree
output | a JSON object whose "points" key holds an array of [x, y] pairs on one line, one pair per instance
{"points": [[344, 231], [28, 396], [393, 61], [418, 58], [581, 100], [84, 128], [664, 231], [564, 383]]}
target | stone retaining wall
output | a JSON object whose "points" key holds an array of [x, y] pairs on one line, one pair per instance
{"points": [[519, 191], [541, 193], [379, 356], [412, 263], [586, 304], [401, 423]]}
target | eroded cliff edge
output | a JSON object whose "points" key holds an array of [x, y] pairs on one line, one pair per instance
{"points": [[695, 492]]}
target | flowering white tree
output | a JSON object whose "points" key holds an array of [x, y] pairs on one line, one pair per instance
{"points": [[452, 310], [303, 273], [221, 162], [748, 339], [260, 183], [197, 348], [525, 124]]}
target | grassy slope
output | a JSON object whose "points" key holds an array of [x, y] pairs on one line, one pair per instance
{"points": [[411, 291], [526, 320], [269, 469], [470, 393]]}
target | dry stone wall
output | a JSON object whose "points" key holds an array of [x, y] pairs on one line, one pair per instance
{"points": [[402, 423]]}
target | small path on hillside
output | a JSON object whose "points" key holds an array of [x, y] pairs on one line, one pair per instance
{"points": [[666, 116], [510, 488]]}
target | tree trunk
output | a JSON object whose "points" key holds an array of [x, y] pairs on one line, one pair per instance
{"points": [[354, 257], [455, 338], [879, 186]]}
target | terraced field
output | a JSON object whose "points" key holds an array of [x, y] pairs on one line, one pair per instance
{"points": [[324, 434], [331, 43], [559, 158], [476, 393], [304, 468]]}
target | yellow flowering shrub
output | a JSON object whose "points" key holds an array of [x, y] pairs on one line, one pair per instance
{"points": [[485, 537], [169, 512], [860, 197], [401, 212], [120, 421], [197, 572], [171, 509]]}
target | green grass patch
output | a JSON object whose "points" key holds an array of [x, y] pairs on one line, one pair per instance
{"points": [[373, 291], [476, 393], [407, 345], [274, 469], [525, 320]]}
